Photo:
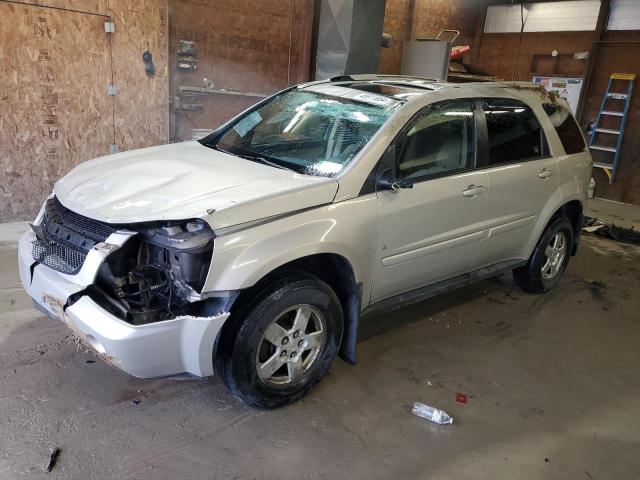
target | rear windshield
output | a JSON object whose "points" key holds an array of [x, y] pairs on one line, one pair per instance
{"points": [[308, 132], [567, 128]]}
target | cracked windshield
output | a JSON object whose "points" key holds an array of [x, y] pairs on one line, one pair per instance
{"points": [[308, 132]]}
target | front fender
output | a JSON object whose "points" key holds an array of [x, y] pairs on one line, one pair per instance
{"points": [[348, 228]]}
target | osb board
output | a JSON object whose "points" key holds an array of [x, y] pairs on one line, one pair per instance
{"points": [[301, 40], [396, 15], [429, 17], [242, 45], [216, 110], [141, 105], [432, 16], [498, 51], [54, 112], [98, 7]]}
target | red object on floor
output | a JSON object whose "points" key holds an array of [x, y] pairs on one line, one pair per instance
{"points": [[461, 397]]}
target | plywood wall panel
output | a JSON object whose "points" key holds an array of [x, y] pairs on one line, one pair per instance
{"points": [[53, 109], [498, 56], [396, 18], [247, 45], [98, 7], [141, 105], [498, 51], [432, 16], [57, 64], [428, 19]]}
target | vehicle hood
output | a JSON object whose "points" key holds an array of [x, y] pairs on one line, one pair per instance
{"points": [[187, 180]]}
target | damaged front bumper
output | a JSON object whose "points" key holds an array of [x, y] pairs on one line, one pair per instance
{"points": [[168, 348]]}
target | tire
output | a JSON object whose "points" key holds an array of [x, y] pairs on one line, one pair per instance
{"points": [[267, 334], [531, 277]]}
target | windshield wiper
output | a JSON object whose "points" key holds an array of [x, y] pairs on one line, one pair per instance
{"points": [[256, 158], [253, 158]]}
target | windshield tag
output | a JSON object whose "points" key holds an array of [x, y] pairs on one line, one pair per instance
{"points": [[374, 99], [247, 123]]}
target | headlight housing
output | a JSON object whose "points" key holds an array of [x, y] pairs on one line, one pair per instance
{"points": [[159, 272]]}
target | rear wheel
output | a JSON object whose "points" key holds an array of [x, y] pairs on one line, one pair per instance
{"points": [[283, 343], [548, 260]]}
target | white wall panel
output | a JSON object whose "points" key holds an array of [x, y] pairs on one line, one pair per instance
{"points": [[575, 15], [625, 15]]}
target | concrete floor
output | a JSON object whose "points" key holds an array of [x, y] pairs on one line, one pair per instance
{"points": [[553, 384]]}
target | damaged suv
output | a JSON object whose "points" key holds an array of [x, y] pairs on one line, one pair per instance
{"points": [[255, 251]]}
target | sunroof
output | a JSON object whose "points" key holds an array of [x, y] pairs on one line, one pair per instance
{"points": [[388, 90]]}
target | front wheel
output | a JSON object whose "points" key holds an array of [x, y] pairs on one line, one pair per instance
{"points": [[548, 260], [283, 343]]}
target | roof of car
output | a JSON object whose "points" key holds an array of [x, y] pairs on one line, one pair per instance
{"points": [[397, 89], [403, 87], [398, 85]]}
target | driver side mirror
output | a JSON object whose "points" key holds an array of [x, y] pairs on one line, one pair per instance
{"points": [[387, 181], [386, 178], [397, 185]]}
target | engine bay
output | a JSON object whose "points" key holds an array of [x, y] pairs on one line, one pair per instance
{"points": [[156, 274]]}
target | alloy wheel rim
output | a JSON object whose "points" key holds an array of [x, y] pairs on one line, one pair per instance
{"points": [[554, 254], [290, 346]]}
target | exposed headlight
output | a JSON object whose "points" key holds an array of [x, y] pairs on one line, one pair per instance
{"points": [[157, 274]]}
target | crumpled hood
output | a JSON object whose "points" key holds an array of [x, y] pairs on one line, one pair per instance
{"points": [[187, 180]]}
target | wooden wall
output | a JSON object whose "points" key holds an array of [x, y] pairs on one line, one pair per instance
{"points": [[54, 109], [428, 18], [256, 46], [622, 57], [498, 53], [141, 107]]}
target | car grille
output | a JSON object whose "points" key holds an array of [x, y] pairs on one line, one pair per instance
{"points": [[64, 238], [58, 256]]}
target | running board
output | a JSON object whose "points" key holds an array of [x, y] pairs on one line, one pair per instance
{"points": [[418, 295]]}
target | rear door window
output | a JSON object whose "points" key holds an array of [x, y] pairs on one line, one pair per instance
{"points": [[567, 128], [513, 131]]}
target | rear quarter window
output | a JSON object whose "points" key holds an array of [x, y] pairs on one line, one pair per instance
{"points": [[566, 127], [513, 131]]}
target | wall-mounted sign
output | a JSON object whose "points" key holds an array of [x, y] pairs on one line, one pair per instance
{"points": [[567, 87]]}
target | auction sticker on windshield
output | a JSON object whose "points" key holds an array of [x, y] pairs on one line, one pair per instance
{"points": [[247, 123], [374, 99]]}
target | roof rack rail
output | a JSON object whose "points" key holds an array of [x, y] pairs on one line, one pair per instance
{"points": [[347, 78], [373, 76]]}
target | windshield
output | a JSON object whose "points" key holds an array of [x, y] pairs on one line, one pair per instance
{"points": [[308, 132]]}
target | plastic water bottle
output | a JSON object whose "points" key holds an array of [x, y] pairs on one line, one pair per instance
{"points": [[430, 413]]}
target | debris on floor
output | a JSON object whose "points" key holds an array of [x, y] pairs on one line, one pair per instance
{"points": [[433, 414], [619, 234], [53, 458], [461, 398], [142, 394]]}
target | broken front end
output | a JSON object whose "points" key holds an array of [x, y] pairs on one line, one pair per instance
{"points": [[133, 292]]}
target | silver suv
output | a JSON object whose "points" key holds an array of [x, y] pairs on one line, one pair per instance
{"points": [[255, 251]]}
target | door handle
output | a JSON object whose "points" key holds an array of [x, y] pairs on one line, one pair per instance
{"points": [[545, 173], [473, 191]]}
